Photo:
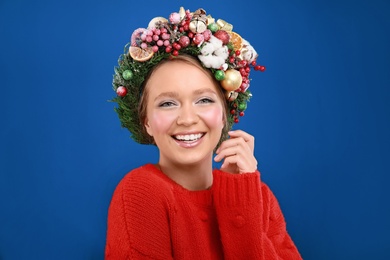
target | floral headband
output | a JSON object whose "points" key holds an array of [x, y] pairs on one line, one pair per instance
{"points": [[218, 48]]}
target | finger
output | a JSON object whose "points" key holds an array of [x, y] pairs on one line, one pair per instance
{"points": [[247, 137], [239, 164], [239, 149], [238, 141]]}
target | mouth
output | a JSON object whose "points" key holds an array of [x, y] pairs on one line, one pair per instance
{"points": [[188, 138]]}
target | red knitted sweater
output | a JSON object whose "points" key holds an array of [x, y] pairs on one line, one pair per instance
{"points": [[152, 217]]}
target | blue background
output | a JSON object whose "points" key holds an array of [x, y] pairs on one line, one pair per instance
{"points": [[320, 115]]}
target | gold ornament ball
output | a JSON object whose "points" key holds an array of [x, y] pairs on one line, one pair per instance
{"points": [[232, 81]]}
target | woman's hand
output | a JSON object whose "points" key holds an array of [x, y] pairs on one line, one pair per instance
{"points": [[237, 153]]}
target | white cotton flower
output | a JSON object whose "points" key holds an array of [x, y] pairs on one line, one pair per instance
{"points": [[213, 53], [217, 43], [207, 49], [222, 52]]}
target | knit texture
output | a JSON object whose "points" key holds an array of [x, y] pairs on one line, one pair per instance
{"points": [[152, 217]]}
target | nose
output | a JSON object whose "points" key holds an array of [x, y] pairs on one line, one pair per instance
{"points": [[187, 115]]}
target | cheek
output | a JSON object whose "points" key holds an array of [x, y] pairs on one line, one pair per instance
{"points": [[214, 117], [161, 121]]}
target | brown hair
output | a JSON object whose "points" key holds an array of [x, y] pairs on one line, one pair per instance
{"points": [[142, 108]]}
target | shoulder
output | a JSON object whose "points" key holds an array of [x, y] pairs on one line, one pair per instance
{"points": [[147, 176], [145, 183]]}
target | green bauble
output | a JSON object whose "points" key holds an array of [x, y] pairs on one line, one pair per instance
{"points": [[213, 27], [219, 75], [242, 106], [127, 74]]}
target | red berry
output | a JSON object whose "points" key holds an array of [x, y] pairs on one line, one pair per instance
{"points": [[257, 67], [176, 46], [242, 113], [232, 59], [262, 68], [175, 53], [191, 34], [238, 52], [236, 120], [168, 49], [253, 63], [233, 111]]}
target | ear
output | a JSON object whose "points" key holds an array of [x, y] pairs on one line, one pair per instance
{"points": [[147, 127]]}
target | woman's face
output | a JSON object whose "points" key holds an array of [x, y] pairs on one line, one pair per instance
{"points": [[184, 113]]}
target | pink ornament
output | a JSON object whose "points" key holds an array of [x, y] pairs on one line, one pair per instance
{"points": [[137, 34], [184, 41], [174, 18], [155, 48], [207, 35], [121, 91], [198, 39]]}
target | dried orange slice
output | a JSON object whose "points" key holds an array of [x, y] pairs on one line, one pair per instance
{"points": [[139, 54], [236, 40]]}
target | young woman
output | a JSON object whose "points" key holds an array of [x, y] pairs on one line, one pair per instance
{"points": [[180, 207]]}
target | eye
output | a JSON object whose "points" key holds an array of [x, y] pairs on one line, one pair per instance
{"points": [[166, 104], [205, 101]]}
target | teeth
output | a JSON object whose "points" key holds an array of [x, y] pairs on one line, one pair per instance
{"points": [[191, 137]]}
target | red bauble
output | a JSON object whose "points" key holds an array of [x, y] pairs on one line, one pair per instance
{"points": [[198, 38], [121, 91], [184, 41], [223, 36]]}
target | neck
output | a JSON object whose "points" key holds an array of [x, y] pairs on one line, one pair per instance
{"points": [[192, 177]]}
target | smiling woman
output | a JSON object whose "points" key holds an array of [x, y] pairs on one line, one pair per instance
{"points": [[184, 98]]}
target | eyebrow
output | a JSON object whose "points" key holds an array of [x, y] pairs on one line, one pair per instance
{"points": [[204, 90], [167, 94], [172, 94]]}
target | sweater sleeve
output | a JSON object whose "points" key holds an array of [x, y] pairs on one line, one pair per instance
{"points": [[250, 220], [278, 243], [138, 226]]}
